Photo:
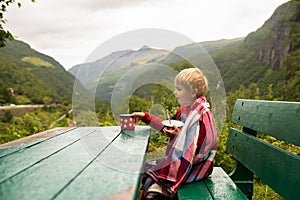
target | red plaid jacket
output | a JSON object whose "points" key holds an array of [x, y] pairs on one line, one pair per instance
{"points": [[190, 154]]}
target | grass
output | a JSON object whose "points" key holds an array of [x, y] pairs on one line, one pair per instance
{"points": [[263, 191], [37, 61]]}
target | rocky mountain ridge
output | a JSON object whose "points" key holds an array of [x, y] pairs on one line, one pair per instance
{"points": [[273, 38]]}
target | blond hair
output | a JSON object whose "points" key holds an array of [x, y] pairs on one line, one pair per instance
{"points": [[194, 79]]}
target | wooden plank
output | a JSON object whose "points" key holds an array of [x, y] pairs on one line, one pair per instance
{"points": [[46, 177], [276, 118], [31, 140], [222, 187], [197, 190], [114, 172], [218, 187], [276, 167], [28, 156]]}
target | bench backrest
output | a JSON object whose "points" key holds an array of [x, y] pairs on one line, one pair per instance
{"points": [[275, 166]]}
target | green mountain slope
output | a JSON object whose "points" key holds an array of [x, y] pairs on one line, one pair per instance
{"points": [[29, 77], [268, 56]]}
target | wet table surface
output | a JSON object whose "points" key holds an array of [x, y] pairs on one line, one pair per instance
{"points": [[82, 163]]}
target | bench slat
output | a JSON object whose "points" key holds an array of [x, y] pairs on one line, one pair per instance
{"points": [[276, 167], [276, 118], [197, 191], [218, 187], [222, 187]]}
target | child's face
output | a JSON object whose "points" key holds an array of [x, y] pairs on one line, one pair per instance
{"points": [[185, 96]]}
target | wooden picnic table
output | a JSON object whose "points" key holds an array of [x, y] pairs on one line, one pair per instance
{"points": [[81, 163]]}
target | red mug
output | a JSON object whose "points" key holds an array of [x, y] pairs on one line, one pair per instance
{"points": [[127, 121]]}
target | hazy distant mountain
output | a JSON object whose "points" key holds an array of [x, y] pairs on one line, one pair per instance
{"points": [[100, 77], [208, 46], [88, 73]]}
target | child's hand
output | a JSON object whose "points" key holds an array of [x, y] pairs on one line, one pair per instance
{"points": [[139, 114], [171, 132]]}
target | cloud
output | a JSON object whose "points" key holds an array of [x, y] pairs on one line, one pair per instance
{"points": [[105, 4], [69, 30]]}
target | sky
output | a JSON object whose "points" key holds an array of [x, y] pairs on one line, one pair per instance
{"points": [[70, 30]]}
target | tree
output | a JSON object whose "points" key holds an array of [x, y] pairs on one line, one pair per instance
{"points": [[5, 34]]}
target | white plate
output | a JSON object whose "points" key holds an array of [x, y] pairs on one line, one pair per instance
{"points": [[126, 115], [178, 123]]}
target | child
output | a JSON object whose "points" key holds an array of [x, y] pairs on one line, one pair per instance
{"points": [[191, 149]]}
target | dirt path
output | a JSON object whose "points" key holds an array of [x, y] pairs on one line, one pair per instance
{"points": [[18, 110]]}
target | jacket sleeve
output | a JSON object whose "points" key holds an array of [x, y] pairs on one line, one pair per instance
{"points": [[153, 121]]}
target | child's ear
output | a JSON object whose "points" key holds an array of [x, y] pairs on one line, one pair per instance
{"points": [[195, 92]]}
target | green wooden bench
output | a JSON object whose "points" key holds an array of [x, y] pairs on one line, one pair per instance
{"points": [[277, 167], [82, 163]]}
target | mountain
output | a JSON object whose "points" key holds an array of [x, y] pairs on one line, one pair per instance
{"points": [[208, 46], [29, 77], [272, 42], [88, 73], [270, 56], [101, 76]]}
